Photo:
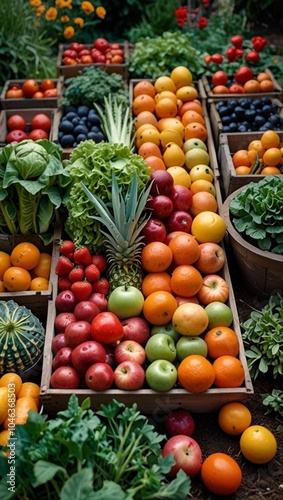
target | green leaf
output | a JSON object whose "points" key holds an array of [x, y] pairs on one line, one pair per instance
{"points": [[110, 490], [45, 471], [79, 486]]}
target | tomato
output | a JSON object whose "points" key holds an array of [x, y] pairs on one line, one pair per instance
{"points": [[14, 93], [38, 95], [101, 44], [70, 53], [252, 56], [47, 84], [106, 328], [117, 60], [115, 46], [50, 93], [231, 54], [84, 52], [29, 87], [101, 58], [37, 134], [237, 41], [243, 74], [16, 136], [41, 121], [86, 59], [219, 78], [217, 58], [69, 61], [76, 46], [16, 122]]}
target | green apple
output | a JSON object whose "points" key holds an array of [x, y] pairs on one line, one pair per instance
{"points": [[166, 329], [194, 143], [190, 345], [161, 375], [219, 314], [126, 301], [160, 346]]}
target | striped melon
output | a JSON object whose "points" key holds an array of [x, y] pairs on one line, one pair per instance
{"points": [[22, 338]]}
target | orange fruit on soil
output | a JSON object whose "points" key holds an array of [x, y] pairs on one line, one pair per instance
{"points": [[39, 284], [252, 86], [154, 282], [195, 373], [149, 149], [195, 130], [5, 263], [208, 226], [203, 201], [16, 279], [143, 102], [270, 139], [155, 163], [229, 372], [144, 87], [14, 379], [156, 257], [42, 269], [181, 76], [221, 474], [164, 83], [145, 117], [159, 307], [190, 319], [185, 249], [186, 280], [241, 158], [258, 444], [191, 116], [266, 86], [222, 341], [234, 418], [25, 255], [271, 171], [272, 157]]}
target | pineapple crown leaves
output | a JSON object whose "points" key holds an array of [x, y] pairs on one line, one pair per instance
{"points": [[126, 222]]}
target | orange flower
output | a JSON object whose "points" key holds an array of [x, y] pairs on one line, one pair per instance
{"points": [[69, 32], [100, 12], [40, 10], [87, 7], [67, 4], [79, 21], [51, 14], [35, 3], [64, 19]]}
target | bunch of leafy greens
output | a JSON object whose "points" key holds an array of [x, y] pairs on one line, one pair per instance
{"points": [[92, 164], [113, 453], [33, 186], [91, 86], [257, 213], [274, 404], [263, 340]]}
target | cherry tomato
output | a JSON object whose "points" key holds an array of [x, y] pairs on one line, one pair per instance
{"points": [[217, 58], [117, 59], [16, 122], [14, 93], [252, 56], [106, 328], [29, 87], [37, 134], [237, 41], [16, 136], [41, 121]]}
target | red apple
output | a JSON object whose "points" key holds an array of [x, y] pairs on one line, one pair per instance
{"points": [[187, 455], [161, 206], [62, 358], [212, 258], [129, 376], [65, 301], [109, 349], [162, 182], [129, 350], [86, 354], [214, 288], [179, 422], [179, 220], [65, 377], [185, 300], [58, 342], [181, 197], [154, 230], [136, 328], [62, 320], [100, 300], [99, 377], [171, 235], [77, 332], [86, 310]]}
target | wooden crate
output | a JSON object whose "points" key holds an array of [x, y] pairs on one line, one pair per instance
{"points": [[36, 301], [216, 122], [228, 145], [277, 92], [26, 102], [27, 114], [75, 69]]}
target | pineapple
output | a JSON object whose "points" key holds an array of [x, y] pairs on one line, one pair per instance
{"points": [[123, 241]]}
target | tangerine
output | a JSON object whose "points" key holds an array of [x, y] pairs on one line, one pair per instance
{"points": [[42, 269], [190, 319], [185, 249], [154, 282], [203, 201], [229, 371], [39, 284], [241, 158], [202, 185], [256, 145], [22, 407], [222, 341], [195, 373], [186, 280], [252, 87], [144, 87], [234, 418], [181, 76], [270, 139], [25, 255], [159, 307], [243, 170], [258, 444], [272, 157], [16, 279], [220, 89], [271, 171], [221, 474], [155, 163], [143, 102], [263, 76], [166, 108], [266, 86], [195, 130], [156, 257], [13, 381], [32, 390], [5, 263], [191, 116]]}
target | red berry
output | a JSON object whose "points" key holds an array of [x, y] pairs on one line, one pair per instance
{"points": [[82, 256], [76, 274], [67, 248], [101, 286], [63, 266], [100, 261], [82, 290], [92, 273]]}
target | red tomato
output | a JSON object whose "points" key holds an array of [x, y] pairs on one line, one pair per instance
{"points": [[115, 46], [41, 121], [14, 93], [219, 78], [38, 95], [76, 46], [117, 60], [69, 61], [16, 136], [37, 134], [217, 58], [16, 122], [106, 328], [50, 93], [47, 84], [86, 59], [29, 87], [101, 44], [70, 53], [237, 41]]}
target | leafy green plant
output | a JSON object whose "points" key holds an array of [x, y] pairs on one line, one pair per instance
{"points": [[257, 213], [274, 403], [25, 51], [263, 340], [111, 453]]}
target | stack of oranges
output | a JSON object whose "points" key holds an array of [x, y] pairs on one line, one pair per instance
{"points": [[26, 268]]}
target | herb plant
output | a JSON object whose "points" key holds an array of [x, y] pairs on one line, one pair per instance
{"points": [[263, 340], [257, 213], [112, 453], [274, 403]]}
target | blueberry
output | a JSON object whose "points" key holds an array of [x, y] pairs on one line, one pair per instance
{"points": [[83, 110], [70, 109], [71, 115], [67, 141], [80, 129], [258, 103], [239, 111], [245, 103], [93, 118], [233, 127], [66, 126], [226, 120], [81, 137], [259, 121], [232, 103]]}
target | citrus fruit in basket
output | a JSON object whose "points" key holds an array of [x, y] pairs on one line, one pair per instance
{"points": [[156, 257], [222, 340], [181, 76], [159, 307], [208, 226], [14, 379], [229, 372], [234, 418], [25, 255], [195, 373], [42, 269], [16, 279], [5, 263]]}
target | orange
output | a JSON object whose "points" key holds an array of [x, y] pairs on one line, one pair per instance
{"points": [[144, 87], [270, 139], [234, 418], [165, 108], [149, 149], [252, 86], [5, 263], [3, 404], [195, 373], [272, 157], [258, 444], [185, 249], [149, 134], [155, 163], [263, 76], [25, 255], [32, 390], [154, 282], [180, 176], [156, 257], [222, 341], [181, 76], [221, 474], [203, 201], [241, 158], [194, 105], [13, 381], [256, 145], [164, 83], [191, 116], [201, 185], [16, 279], [2, 288], [39, 284], [159, 307], [190, 319], [172, 124], [22, 407], [208, 226], [271, 171], [168, 94], [195, 130], [229, 372], [266, 86], [145, 117], [243, 170], [186, 280], [220, 89], [143, 102], [43, 267]]}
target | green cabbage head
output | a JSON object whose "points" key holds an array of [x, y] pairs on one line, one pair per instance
{"points": [[30, 159]]}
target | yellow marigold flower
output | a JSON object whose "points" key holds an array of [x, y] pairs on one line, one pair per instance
{"points": [[69, 32], [79, 21], [35, 3], [51, 14], [100, 12], [87, 7], [64, 19], [40, 10]]}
